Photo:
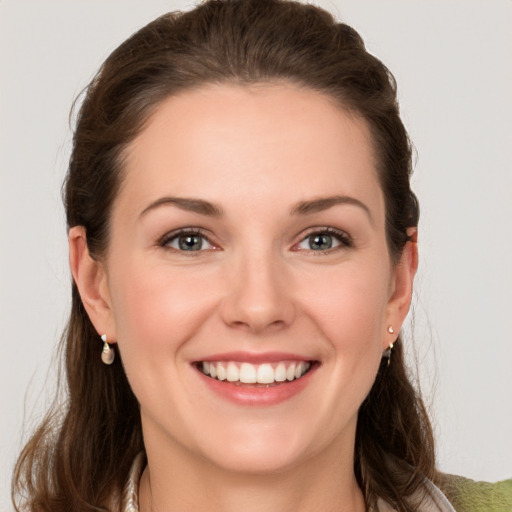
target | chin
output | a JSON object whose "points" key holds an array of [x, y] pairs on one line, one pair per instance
{"points": [[263, 447], [258, 460]]}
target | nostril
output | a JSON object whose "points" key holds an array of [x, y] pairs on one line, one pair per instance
{"points": [[258, 325], [258, 302]]}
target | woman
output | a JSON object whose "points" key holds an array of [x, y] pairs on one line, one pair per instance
{"points": [[243, 246]]}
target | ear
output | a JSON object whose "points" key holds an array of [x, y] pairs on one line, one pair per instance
{"points": [[91, 280], [402, 285]]}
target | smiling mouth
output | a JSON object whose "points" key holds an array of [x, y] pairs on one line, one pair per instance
{"points": [[266, 374]]}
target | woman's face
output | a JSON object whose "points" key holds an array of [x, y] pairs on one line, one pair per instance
{"points": [[248, 241]]}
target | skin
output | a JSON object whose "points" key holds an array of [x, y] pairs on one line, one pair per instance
{"points": [[256, 286]]}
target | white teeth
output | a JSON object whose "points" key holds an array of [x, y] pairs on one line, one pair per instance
{"points": [[232, 372], [280, 372], [221, 372], [248, 373], [265, 374]]}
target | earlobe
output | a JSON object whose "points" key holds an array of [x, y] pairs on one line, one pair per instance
{"points": [[91, 280]]}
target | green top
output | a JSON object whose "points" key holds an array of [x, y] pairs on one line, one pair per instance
{"points": [[469, 496]]}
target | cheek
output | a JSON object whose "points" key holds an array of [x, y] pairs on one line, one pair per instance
{"points": [[350, 312], [158, 308], [347, 307], [350, 306]]}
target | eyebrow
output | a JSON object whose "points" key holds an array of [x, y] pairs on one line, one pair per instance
{"points": [[324, 203], [209, 209], [189, 204]]}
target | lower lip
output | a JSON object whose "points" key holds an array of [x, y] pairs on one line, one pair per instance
{"points": [[246, 394]]}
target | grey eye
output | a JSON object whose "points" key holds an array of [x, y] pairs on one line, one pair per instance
{"points": [[320, 241], [323, 240], [190, 242]]}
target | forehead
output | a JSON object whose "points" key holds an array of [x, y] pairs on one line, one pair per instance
{"points": [[279, 142]]}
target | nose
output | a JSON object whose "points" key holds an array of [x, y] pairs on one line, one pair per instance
{"points": [[259, 295]]}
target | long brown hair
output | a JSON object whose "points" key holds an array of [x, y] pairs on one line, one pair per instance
{"points": [[82, 452]]}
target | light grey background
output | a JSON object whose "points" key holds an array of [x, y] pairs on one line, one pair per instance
{"points": [[452, 60]]}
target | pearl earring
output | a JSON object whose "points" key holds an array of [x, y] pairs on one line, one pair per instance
{"points": [[387, 352], [107, 354]]}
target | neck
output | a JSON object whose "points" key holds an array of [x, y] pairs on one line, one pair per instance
{"points": [[325, 482]]}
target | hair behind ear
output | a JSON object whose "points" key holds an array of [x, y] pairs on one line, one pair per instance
{"points": [[98, 438], [394, 439]]}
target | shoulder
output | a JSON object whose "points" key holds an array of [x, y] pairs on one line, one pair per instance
{"points": [[471, 496]]}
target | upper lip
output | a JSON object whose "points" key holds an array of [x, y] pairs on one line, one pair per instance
{"points": [[254, 357]]}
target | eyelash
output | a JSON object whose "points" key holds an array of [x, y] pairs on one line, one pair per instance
{"points": [[170, 237], [344, 239]]}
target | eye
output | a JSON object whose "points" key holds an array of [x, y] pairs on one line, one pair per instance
{"points": [[324, 240], [189, 241]]}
